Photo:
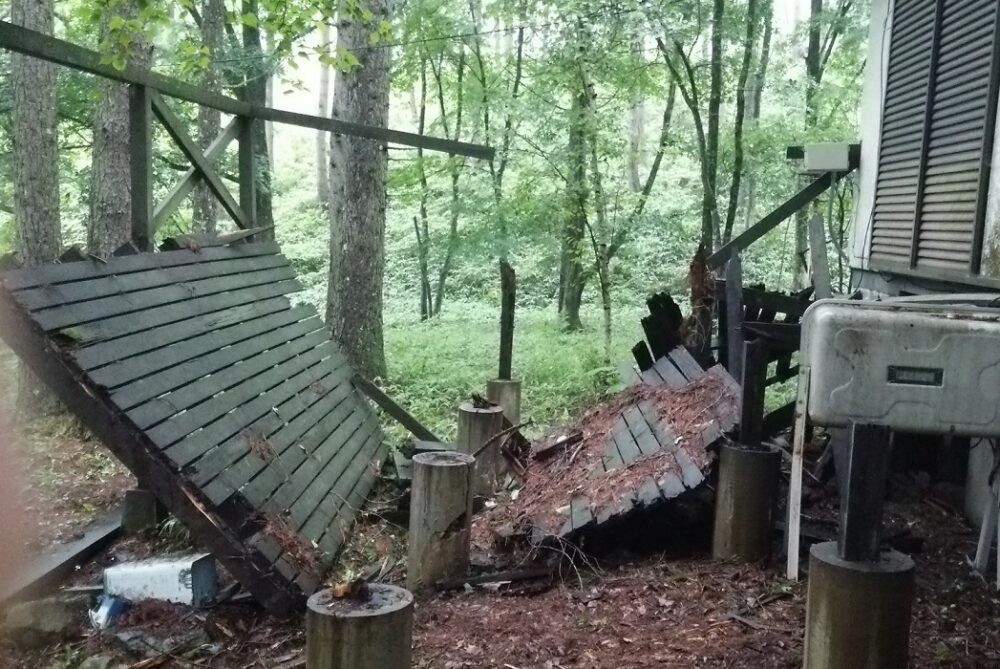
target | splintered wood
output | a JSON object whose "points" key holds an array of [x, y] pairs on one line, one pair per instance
{"points": [[647, 445]]}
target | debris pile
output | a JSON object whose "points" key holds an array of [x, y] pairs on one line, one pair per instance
{"points": [[646, 446]]}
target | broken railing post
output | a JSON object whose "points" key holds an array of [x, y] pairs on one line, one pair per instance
{"points": [[476, 427], [745, 503], [440, 518], [507, 394], [859, 599], [504, 390], [141, 511], [372, 631]]}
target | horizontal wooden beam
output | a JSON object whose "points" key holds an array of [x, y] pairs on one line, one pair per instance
{"points": [[31, 43], [816, 188]]}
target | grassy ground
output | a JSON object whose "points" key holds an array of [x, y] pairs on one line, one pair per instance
{"points": [[435, 365]]}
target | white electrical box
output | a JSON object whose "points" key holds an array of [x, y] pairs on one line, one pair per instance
{"points": [[187, 579], [827, 157], [914, 367]]}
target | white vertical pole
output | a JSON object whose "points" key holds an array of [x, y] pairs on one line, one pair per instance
{"points": [[795, 481]]}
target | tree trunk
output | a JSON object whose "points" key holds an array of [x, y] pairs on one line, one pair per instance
{"points": [[322, 159], [255, 92], [422, 226], [575, 223], [36, 175], [111, 208], [710, 207], [741, 105], [636, 126], [358, 198], [205, 208], [747, 192]]}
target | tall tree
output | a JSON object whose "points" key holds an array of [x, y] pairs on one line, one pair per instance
{"points": [[741, 108], [322, 159], [36, 164], [213, 20], [258, 73], [111, 211], [358, 195], [755, 90]]}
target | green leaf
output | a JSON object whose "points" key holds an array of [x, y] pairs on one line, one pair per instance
{"points": [[250, 20], [116, 23], [118, 61]]}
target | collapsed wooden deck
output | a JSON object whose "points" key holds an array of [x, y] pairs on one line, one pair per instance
{"points": [[228, 402]]}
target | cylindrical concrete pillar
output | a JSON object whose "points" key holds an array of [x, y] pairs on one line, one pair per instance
{"points": [[477, 427], [374, 632], [745, 503], [857, 613], [506, 393], [440, 518]]}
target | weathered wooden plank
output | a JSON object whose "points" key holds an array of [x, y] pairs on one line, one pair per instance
{"points": [[140, 190], [752, 399], [649, 493], [41, 297], [670, 374], [627, 446], [686, 363], [315, 464], [643, 358], [643, 436], [227, 466], [147, 375], [690, 473], [336, 532], [127, 324], [240, 409], [734, 314], [652, 378], [307, 432], [388, 405], [36, 44], [312, 518], [129, 446], [95, 355], [52, 274], [251, 371], [143, 301]]}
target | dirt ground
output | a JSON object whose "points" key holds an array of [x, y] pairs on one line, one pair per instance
{"points": [[630, 612], [67, 480]]}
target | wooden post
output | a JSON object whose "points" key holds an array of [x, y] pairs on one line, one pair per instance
{"points": [[440, 518], [508, 293], [861, 509], [754, 363], [745, 503], [371, 633], [475, 428], [141, 511], [140, 119], [247, 160], [734, 315], [507, 394], [820, 263]]}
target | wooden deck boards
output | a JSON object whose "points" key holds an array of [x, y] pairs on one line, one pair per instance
{"points": [[230, 404], [640, 433]]}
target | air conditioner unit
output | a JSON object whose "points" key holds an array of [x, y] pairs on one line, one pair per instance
{"points": [[930, 368]]}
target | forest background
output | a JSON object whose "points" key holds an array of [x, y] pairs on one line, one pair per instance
{"points": [[627, 134]]}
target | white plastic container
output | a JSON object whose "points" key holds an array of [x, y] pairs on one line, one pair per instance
{"points": [[188, 579]]}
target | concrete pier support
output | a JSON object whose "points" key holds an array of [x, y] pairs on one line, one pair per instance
{"points": [[745, 503], [858, 613]]}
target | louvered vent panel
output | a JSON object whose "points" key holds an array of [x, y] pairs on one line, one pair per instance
{"points": [[937, 127], [956, 140], [902, 130]]}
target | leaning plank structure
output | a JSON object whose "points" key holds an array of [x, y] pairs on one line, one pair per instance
{"points": [[226, 400]]}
